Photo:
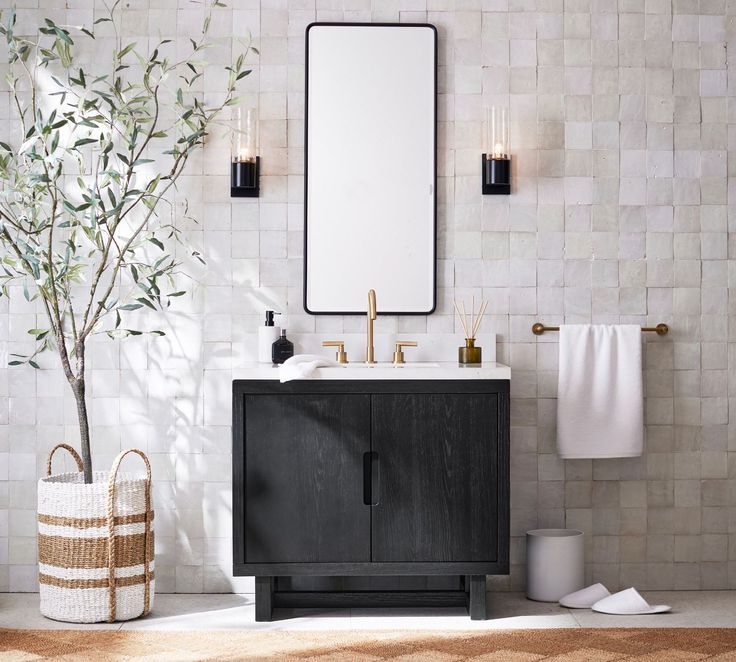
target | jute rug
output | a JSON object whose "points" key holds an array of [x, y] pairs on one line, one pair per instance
{"points": [[561, 645]]}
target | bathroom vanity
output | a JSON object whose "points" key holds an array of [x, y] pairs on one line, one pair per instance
{"points": [[371, 486]]}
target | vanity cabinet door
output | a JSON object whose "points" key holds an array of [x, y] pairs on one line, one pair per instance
{"points": [[438, 464], [304, 478]]}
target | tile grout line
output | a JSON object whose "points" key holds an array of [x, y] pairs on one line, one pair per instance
{"points": [[571, 612]]}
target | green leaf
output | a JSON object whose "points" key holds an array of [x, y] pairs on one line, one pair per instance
{"points": [[176, 294], [146, 302], [34, 364], [15, 362], [131, 306], [118, 334], [126, 50], [156, 242], [64, 36], [84, 141]]}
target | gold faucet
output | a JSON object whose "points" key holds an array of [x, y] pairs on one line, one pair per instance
{"points": [[369, 352], [341, 356], [399, 354]]}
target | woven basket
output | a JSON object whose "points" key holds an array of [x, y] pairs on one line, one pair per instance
{"points": [[95, 544]]}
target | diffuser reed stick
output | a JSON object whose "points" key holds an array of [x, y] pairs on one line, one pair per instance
{"points": [[471, 323], [462, 320], [481, 312], [472, 314]]}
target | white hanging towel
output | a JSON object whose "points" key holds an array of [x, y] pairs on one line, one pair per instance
{"points": [[600, 395]]}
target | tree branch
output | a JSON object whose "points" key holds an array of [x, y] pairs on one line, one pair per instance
{"points": [[54, 321]]}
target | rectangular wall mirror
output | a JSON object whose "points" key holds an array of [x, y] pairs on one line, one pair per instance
{"points": [[370, 168]]}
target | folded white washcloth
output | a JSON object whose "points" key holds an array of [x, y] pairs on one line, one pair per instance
{"points": [[585, 598], [628, 603], [302, 366]]}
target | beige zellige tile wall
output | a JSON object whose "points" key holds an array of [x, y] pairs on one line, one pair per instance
{"points": [[622, 121]]}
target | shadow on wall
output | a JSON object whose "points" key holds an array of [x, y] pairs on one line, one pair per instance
{"points": [[174, 403]]}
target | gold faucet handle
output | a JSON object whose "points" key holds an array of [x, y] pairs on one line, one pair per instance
{"points": [[398, 354], [341, 356]]}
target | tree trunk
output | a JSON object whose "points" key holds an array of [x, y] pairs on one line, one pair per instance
{"points": [[78, 387]]}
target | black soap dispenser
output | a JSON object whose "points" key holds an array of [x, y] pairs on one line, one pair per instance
{"points": [[282, 349]]}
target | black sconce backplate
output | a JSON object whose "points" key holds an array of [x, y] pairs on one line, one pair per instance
{"points": [[245, 178], [496, 175]]}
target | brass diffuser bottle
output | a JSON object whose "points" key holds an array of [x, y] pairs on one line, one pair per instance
{"points": [[470, 354]]}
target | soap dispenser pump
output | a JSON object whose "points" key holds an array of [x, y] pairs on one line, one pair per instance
{"points": [[267, 335]]}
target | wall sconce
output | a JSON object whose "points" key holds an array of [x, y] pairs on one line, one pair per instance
{"points": [[245, 168], [496, 162]]}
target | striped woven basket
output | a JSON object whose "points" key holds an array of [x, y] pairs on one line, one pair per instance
{"points": [[95, 544]]}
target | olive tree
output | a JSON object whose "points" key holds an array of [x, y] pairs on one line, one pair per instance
{"points": [[86, 222]]}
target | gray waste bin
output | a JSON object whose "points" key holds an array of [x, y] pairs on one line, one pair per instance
{"points": [[555, 563]]}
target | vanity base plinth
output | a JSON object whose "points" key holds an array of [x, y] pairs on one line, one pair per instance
{"points": [[470, 594], [264, 598], [477, 597]]}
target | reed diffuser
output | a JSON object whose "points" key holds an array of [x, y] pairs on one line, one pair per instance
{"points": [[470, 353]]}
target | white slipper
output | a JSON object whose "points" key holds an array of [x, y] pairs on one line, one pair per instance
{"points": [[628, 603], [585, 598]]}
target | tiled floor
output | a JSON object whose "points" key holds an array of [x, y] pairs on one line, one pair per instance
{"points": [[506, 611]]}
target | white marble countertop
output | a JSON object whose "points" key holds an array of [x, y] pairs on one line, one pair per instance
{"points": [[357, 371]]}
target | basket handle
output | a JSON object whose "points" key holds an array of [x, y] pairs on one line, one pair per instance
{"points": [[71, 451], [111, 534]]}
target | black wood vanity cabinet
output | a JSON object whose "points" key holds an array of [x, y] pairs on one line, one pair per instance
{"points": [[370, 493]]}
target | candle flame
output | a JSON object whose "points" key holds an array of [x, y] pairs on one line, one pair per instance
{"points": [[244, 155]]}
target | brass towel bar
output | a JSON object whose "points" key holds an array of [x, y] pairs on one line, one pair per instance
{"points": [[661, 329]]}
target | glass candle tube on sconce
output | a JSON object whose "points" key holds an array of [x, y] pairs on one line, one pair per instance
{"points": [[496, 160], [245, 163]]}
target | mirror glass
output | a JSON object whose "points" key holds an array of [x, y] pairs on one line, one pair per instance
{"points": [[370, 157]]}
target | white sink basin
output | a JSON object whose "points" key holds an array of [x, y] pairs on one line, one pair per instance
{"points": [[389, 366]]}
